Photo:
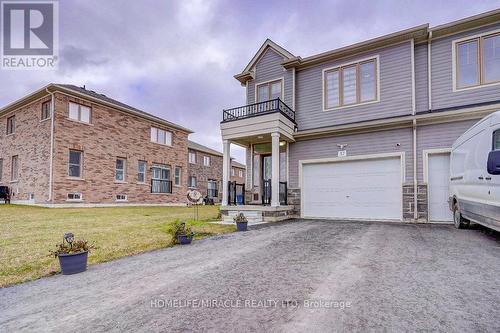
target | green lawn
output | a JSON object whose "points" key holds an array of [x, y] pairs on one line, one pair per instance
{"points": [[28, 233]]}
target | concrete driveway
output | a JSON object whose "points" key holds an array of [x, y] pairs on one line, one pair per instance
{"points": [[299, 276]]}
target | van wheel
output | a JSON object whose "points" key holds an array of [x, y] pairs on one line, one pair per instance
{"points": [[459, 221]]}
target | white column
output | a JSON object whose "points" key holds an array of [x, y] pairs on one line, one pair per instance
{"points": [[275, 170], [226, 170]]}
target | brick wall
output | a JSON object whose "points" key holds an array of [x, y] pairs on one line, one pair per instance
{"points": [[113, 134], [31, 143], [236, 177], [204, 173]]}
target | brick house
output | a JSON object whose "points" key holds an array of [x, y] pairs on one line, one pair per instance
{"points": [[205, 171], [64, 145]]}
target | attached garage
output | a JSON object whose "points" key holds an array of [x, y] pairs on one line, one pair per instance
{"points": [[437, 176], [368, 187]]}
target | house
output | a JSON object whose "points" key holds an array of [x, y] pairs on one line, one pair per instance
{"points": [[363, 131], [66, 145], [205, 171]]}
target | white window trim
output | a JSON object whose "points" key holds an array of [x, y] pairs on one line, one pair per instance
{"points": [[124, 180], [13, 129], [121, 200], [377, 72], [180, 176], [74, 200], [145, 169], [206, 158], [166, 131], [50, 111], [80, 113], [189, 157], [189, 182], [454, 61], [257, 84]]}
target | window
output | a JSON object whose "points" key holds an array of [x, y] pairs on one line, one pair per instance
{"points": [[11, 125], [161, 136], [75, 164], [14, 168], [1, 168], [74, 196], [192, 157], [496, 143], [212, 189], [178, 176], [141, 172], [160, 182], [268, 91], [351, 84], [121, 197], [192, 181], [45, 111], [79, 112], [206, 160], [477, 61], [240, 173], [120, 170], [232, 172]]}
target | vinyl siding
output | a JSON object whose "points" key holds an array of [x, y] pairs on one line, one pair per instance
{"points": [[421, 78], [269, 68], [442, 80], [438, 136], [395, 91], [357, 144]]}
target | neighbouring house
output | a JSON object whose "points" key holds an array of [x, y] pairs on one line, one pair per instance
{"points": [[363, 131], [64, 145], [205, 171]]}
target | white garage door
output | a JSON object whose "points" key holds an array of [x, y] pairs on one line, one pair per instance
{"points": [[439, 174], [364, 189]]}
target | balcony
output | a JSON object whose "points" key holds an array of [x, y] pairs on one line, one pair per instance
{"points": [[258, 109]]}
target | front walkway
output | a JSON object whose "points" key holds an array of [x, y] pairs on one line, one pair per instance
{"points": [[384, 276]]}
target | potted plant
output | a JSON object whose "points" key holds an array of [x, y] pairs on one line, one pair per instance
{"points": [[241, 222], [72, 254], [183, 235]]}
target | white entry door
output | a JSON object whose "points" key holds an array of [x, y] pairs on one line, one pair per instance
{"points": [[356, 189], [438, 171]]}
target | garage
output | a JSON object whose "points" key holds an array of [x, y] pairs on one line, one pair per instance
{"points": [[438, 174], [355, 188]]}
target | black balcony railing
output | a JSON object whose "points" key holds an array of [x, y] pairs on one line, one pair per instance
{"points": [[236, 194], [161, 186], [267, 192], [261, 108]]}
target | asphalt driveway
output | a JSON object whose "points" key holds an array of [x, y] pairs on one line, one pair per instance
{"points": [[299, 276]]}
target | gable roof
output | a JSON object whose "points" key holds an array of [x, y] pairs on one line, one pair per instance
{"points": [[196, 146], [90, 95], [490, 17], [247, 74]]}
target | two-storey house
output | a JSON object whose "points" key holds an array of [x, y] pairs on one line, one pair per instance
{"points": [[65, 145], [363, 131]]}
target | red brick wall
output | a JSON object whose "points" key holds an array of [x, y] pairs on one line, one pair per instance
{"points": [[204, 173], [236, 177], [113, 134], [31, 142]]}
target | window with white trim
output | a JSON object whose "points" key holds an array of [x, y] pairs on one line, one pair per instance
{"points": [[178, 176], [74, 197], [192, 157], [45, 110], [232, 172], [240, 173], [161, 136], [121, 197], [120, 169], [79, 112], [192, 181], [11, 125], [160, 175], [141, 172], [477, 61], [206, 160], [350, 84], [75, 164], [269, 90]]}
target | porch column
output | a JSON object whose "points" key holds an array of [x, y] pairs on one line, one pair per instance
{"points": [[226, 170], [275, 170]]}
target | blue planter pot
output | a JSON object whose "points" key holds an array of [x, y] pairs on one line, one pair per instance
{"points": [[242, 226], [73, 263], [185, 239]]}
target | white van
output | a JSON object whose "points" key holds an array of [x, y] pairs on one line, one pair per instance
{"points": [[475, 175]]}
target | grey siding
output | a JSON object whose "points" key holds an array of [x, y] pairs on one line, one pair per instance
{"points": [[269, 68], [395, 91], [438, 136], [421, 78], [442, 80], [357, 144]]}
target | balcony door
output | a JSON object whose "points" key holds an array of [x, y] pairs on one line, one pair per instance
{"points": [[267, 92]]}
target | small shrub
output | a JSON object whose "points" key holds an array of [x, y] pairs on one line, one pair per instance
{"points": [[179, 228], [76, 246], [240, 218]]}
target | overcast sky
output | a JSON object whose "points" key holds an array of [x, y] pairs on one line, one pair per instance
{"points": [[176, 59]]}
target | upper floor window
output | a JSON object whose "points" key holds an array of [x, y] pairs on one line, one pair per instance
{"points": [[240, 173], [232, 172], [206, 160], [75, 163], [11, 125], [351, 84], [192, 157], [477, 61], [120, 170], [79, 112], [14, 168], [45, 111], [178, 176], [269, 90], [161, 136], [141, 172]]}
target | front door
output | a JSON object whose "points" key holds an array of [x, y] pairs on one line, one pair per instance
{"points": [[266, 178]]}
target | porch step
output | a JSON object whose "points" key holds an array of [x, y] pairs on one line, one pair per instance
{"points": [[252, 216]]}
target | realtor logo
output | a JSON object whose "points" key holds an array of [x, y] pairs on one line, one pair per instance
{"points": [[29, 36]]}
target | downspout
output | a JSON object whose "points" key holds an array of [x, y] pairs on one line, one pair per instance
{"points": [[414, 111], [51, 158], [429, 71], [293, 89]]}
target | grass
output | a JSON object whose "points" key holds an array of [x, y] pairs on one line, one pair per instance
{"points": [[28, 233]]}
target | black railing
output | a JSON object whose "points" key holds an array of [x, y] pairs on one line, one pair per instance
{"points": [[236, 195], [212, 193], [161, 186], [283, 193], [251, 110], [267, 192]]}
